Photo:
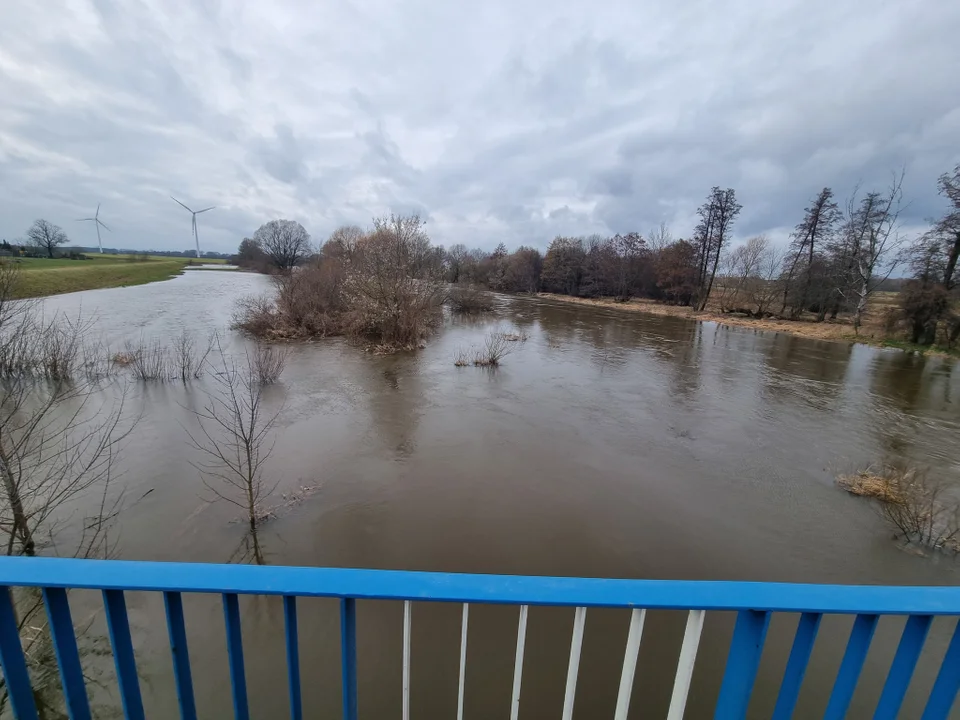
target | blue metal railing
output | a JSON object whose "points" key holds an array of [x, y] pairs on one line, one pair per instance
{"points": [[753, 602]]}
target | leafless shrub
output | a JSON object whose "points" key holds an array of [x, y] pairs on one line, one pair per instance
{"points": [[469, 299], [187, 358], [495, 348], [154, 361], [151, 361], [33, 345], [58, 441], [234, 438], [462, 358], [268, 363], [919, 508], [256, 315]]}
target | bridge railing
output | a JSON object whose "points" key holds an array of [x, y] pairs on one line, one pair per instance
{"points": [[753, 602]]}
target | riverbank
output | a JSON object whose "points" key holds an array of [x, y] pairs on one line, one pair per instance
{"points": [[835, 331], [40, 276]]}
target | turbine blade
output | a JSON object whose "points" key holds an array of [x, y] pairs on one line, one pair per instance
{"points": [[98, 210], [180, 204], [83, 219], [205, 209], [104, 225]]}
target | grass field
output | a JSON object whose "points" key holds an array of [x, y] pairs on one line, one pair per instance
{"points": [[40, 276]]}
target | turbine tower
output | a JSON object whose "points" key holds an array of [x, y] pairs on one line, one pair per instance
{"points": [[98, 224], [196, 236]]}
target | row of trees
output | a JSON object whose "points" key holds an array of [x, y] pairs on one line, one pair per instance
{"points": [[928, 299], [837, 258]]}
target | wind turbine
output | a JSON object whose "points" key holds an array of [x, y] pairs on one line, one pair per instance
{"points": [[98, 223], [196, 236]]}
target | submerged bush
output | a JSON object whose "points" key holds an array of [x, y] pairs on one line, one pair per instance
{"points": [[384, 287], [915, 505], [469, 300]]}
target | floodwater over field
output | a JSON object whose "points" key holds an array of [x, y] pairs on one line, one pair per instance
{"points": [[607, 445]]}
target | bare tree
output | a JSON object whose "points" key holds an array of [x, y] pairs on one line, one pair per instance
{"points": [[342, 242], [285, 242], [457, 257], [717, 216], [46, 236], [742, 268], [873, 237], [948, 227], [660, 237], [58, 440], [234, 439], [817, 227]]}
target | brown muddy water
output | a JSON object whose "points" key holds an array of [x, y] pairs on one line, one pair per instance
{"points": [[607, 445]]}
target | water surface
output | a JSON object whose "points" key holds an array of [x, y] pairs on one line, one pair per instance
{"points": [[609, 444]]}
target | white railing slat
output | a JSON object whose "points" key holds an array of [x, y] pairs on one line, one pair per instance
{"points": [[406, 659], [688, 656], [463, 658], [518, 663], [573, 669], [629, 663]]}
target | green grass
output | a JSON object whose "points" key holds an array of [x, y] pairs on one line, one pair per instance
{"points": [[921, 349], [39, 276]]}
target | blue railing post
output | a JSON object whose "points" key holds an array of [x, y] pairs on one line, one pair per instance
{"points": [[173, 604], [293, 655], [13, 662], [122, 644], [796, 665], [742, 663], [850, 667], [944, 691], [68, 656], [348, 655], [238, 677], [901, 670]]}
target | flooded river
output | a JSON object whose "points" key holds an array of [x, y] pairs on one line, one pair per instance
{"points": [[609, 444]]}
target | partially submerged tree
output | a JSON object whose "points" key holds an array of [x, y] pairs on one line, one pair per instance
{"points": [[394, 283], [286, 243], [234, 439], [46, 236]]}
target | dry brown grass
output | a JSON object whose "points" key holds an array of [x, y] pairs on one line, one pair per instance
{"points": [[872, 332], [869, 483], [920, 508]]}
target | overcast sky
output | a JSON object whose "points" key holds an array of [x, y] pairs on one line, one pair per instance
{"points": [[501, 120]]}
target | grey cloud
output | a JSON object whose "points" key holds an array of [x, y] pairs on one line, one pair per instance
{"points": [[501, 121], [282, 156]]}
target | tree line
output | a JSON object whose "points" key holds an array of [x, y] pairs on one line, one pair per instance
{"points": [[837, 258], [47, 240]]}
